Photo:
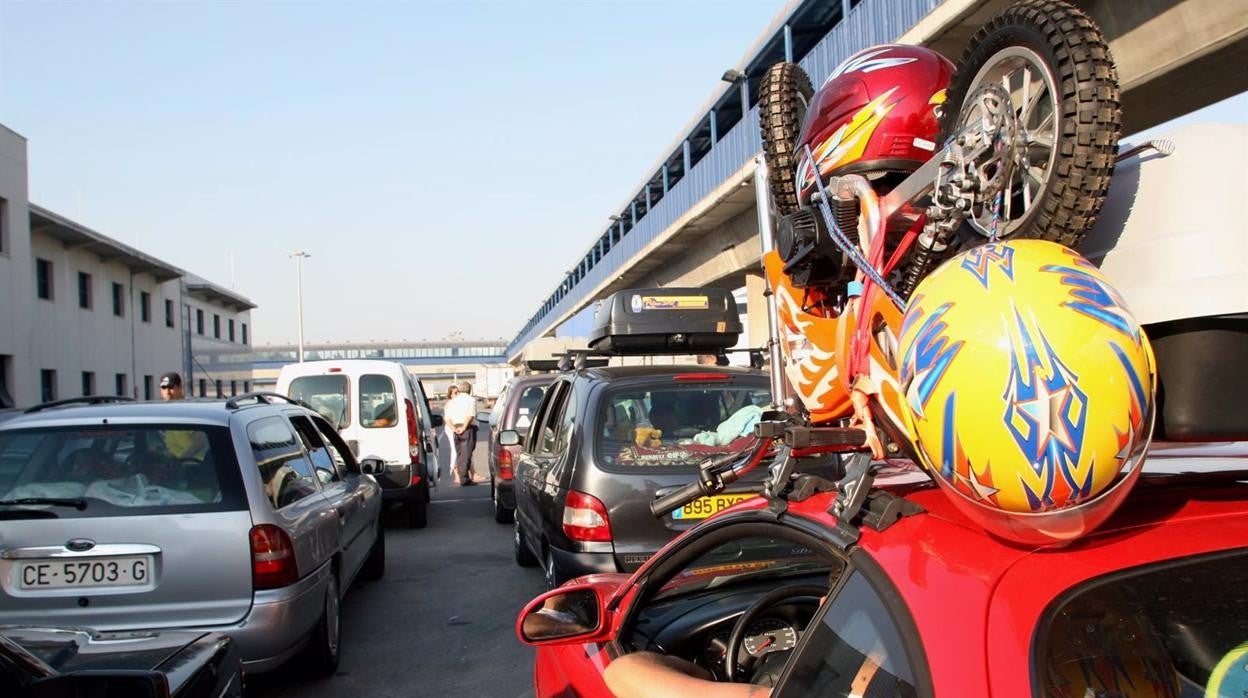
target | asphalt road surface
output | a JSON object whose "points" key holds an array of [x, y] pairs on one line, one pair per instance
{"points": [[442, 620]]}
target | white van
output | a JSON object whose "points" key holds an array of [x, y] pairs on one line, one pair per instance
{"points": [[382, 413]]}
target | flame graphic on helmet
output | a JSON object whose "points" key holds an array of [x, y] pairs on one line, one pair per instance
{"points": [[981, 260], [957, 469], [1046, 413], [849, 141], [1094, 298]]}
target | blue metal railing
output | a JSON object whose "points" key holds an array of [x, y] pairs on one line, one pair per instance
{"points": [[870, 22]]}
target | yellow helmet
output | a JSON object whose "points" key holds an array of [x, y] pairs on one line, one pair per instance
{"points": [[1029, 388]]}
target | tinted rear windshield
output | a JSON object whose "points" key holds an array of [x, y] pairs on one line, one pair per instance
{"points": [[1180, 629], [325, 394], [118, 471], [677, 424], [377, 402]]}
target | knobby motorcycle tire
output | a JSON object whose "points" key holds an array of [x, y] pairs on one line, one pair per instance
{"points": [[1088, 108], [782, 100]]}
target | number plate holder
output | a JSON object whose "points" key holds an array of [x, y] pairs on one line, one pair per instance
{"points": [[702, 507], [84, 572]]}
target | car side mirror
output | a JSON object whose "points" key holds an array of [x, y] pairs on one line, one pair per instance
{"points": [[435, 420], [483, 416], [508, 438], [372, 465], [568, 615]]}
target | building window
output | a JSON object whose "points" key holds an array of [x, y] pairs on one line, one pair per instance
{"points": [[88, 383], [199, 321], [47, 385], [230, 325], [220, 393], [4, 228], [203, 388], [119, 300], [84, 290], [119, 383], [246, 386], [43, 278], [233, 388], [216, 326], [6, 365], [244, 334], [168, 313], [147, 387], [145, 306]]}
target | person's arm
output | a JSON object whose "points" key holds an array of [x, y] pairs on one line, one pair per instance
{"points": [[659, 676]]}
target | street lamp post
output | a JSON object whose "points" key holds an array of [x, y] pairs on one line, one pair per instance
{"points": [[299, 256]]}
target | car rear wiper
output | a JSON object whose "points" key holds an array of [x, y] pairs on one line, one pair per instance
{"points": [[76, 502]]}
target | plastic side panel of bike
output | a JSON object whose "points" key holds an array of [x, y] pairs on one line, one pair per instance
{"points": [[1029, 586], [811, 366], [570, 670], [876, 312]]}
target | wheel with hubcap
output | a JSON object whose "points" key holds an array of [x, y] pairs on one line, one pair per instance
{"points": [[323, 649]]}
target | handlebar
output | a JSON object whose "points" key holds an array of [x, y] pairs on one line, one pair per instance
{"points": [[713, 475]]}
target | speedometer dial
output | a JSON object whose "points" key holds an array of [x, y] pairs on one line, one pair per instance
{"points": [[769, 635]]}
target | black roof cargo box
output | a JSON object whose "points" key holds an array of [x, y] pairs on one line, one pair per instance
{"points": [[666, 321]]}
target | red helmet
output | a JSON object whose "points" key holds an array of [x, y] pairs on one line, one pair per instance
{"points": [[876, 112]]}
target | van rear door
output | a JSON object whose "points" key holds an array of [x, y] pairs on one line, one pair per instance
{"points": [[382, 429]]}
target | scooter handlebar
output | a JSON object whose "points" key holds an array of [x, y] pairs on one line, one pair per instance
{"points": [[676, 499]]}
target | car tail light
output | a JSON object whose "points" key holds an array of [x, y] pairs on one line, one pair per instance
{"points": [[505, 462], [703, 377], [415, 477], [413, 434], [272, 558], [585, 518]]}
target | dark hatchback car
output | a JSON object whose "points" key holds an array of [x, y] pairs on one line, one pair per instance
{"points": [[37, 662], [513, 411], [606, 441]]}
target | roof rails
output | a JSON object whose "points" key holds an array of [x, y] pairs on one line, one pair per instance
{"points": [[580, 358], [262, 397], [84, 400]]}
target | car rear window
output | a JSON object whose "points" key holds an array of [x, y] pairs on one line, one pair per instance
{"points": [[676, 423], [1180, 629], [328, 395], [118, 470], [526, 407], [377, 402]]}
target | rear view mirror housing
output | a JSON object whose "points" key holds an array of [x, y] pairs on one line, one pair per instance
{"points": [[569, 615], [509, 438], [436, 420]]}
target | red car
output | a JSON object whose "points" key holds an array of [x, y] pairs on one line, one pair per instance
{"points": [[913, 599]]}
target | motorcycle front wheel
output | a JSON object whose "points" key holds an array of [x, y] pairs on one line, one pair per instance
{"points": [[1053, 65]]}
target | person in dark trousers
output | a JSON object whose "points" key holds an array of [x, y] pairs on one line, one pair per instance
{"points": [[460, 416]]}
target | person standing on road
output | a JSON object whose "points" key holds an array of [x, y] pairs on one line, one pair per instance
{"points": [[171, 387], [460, 416]]}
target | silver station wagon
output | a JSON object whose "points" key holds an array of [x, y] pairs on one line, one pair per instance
{"points": [[248, 517]]}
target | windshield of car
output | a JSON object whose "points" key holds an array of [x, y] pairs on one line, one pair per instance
{"points": [[117, 470], [1181, 628], [677, 424], [325, 394], [746, 559], [378, 408]]}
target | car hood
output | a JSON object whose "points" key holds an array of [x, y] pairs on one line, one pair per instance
{"points": [[68, 650]]}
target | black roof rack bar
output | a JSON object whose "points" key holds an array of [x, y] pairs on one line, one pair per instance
{"points": [[84, 400], [262, 397]]}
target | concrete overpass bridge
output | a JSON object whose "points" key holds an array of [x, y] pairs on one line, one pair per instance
{"points": [[437, 364], [691, 221]]}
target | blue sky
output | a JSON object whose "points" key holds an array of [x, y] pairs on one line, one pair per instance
{"points": [[443, 163]]}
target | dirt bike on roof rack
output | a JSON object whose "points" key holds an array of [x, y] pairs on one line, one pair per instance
{"points": [[900, 161]]}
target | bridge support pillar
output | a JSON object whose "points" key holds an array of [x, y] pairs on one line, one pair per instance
{"points": [[756, 309]]}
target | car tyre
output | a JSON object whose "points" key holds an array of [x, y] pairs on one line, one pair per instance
{"points": [[550, 571], [502, 514], [375, 564], [524, 556], [417, 514], [325, 645]]}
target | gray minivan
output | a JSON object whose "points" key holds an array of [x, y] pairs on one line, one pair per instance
{"points": [[606, 441]]}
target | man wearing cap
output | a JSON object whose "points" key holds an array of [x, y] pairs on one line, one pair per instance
{"points": [[180, 443], [171, 387]]}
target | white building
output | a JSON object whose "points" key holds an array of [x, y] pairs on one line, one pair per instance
{"points": [[84, 314]]}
